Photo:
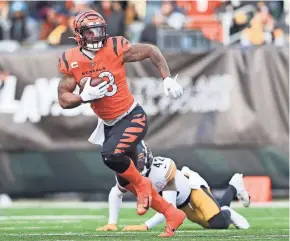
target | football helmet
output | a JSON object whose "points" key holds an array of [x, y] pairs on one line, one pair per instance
{"points": [[90, 30], [145, 158]]}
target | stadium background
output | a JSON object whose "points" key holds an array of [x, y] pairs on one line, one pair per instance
{"points": [[232, 58]]}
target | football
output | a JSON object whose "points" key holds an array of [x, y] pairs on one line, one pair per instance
{"points": [[93, 82]]}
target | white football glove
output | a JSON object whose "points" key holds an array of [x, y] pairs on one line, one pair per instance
{"points": [[171, 87], [90, 93]]}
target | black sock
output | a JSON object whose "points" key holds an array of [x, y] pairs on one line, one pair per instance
{"points": [[220, 221], [228, 197]]}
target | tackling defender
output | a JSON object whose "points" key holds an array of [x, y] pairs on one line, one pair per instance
{"points": [[99, 56], [185, 189]]}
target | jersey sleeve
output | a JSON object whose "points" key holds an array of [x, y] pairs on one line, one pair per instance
{"points": [[63, 65], [120, 45], [171, 172]]}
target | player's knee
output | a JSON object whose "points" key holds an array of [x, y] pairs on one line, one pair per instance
{"points": [[117, 162], [221, 220]]}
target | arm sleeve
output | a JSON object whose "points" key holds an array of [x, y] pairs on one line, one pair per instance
{"points": [[63, 65], [169, 196], [115, 200], [155, 220]]}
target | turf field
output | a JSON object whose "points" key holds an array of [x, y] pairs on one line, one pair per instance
{"points": [[75, 224]]}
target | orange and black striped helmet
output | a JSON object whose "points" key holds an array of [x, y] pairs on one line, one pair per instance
{"points": [[90, 30]]}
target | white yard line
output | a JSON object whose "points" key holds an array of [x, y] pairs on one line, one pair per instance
{"points": [[30, 227], [113, 234], [100, 205], [44, 219], [38, 222], [53, 217]]}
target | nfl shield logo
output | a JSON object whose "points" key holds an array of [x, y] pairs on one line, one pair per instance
{"points": [[92, 64]]}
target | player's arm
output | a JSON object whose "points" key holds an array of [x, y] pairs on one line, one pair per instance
{"points": [[169, 193], [139, 52], [66, 98], [115, 201]]}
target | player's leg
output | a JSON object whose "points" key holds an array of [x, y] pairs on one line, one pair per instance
{"points": [[228, 196], [237, 189], [237, 182], [174, 217], [237, 219], [194, 215], [203, 201], [120, 138]]}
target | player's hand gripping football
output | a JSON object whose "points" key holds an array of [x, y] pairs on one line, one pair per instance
{"points": [[141, 227], [171, 87], [108, 227], [90, 93]]}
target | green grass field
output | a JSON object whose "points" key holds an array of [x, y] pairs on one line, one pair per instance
{"points": [[75, 224]]}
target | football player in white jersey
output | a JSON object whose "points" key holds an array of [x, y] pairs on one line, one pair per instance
{"points": [[185, 189]]}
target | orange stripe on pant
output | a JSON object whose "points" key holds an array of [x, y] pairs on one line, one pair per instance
{"points": [[117, 151], [122, 145], [134, 129], [131, 138], [140, 121]]}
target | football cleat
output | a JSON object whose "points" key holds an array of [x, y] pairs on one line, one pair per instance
{"points": [[141, 227], [237, 182], [108, 227], [174, 218], [237, 219]]}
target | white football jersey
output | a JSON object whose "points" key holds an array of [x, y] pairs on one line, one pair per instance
{"points": [[163, 170], [183, 188]]}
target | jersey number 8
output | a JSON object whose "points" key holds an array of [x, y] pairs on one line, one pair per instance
{"points": [[111, 83]]}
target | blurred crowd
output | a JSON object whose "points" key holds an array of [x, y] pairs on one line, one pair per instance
{"points": [[28, 22]]}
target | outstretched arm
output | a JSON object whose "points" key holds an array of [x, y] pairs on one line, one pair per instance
{"points": [[138, 52], [66, 98]]}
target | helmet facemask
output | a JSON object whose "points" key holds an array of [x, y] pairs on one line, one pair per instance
{"points": [[94, 37], [145, 158]]}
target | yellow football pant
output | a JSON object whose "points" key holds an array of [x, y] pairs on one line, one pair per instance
{"points": [[201, 207]]}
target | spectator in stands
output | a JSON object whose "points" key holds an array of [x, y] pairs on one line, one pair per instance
{"points": [[168, 16], [49, 22], [267, 19], [23, 28], [281, 31], [67, 36], [4, 10], [36, 8], [261, 28], [201, 15], [152, 6], [134, 23], [275, 8], [80, 5], [239, 22], [62, 15], [114, 17], [4, 27]]}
